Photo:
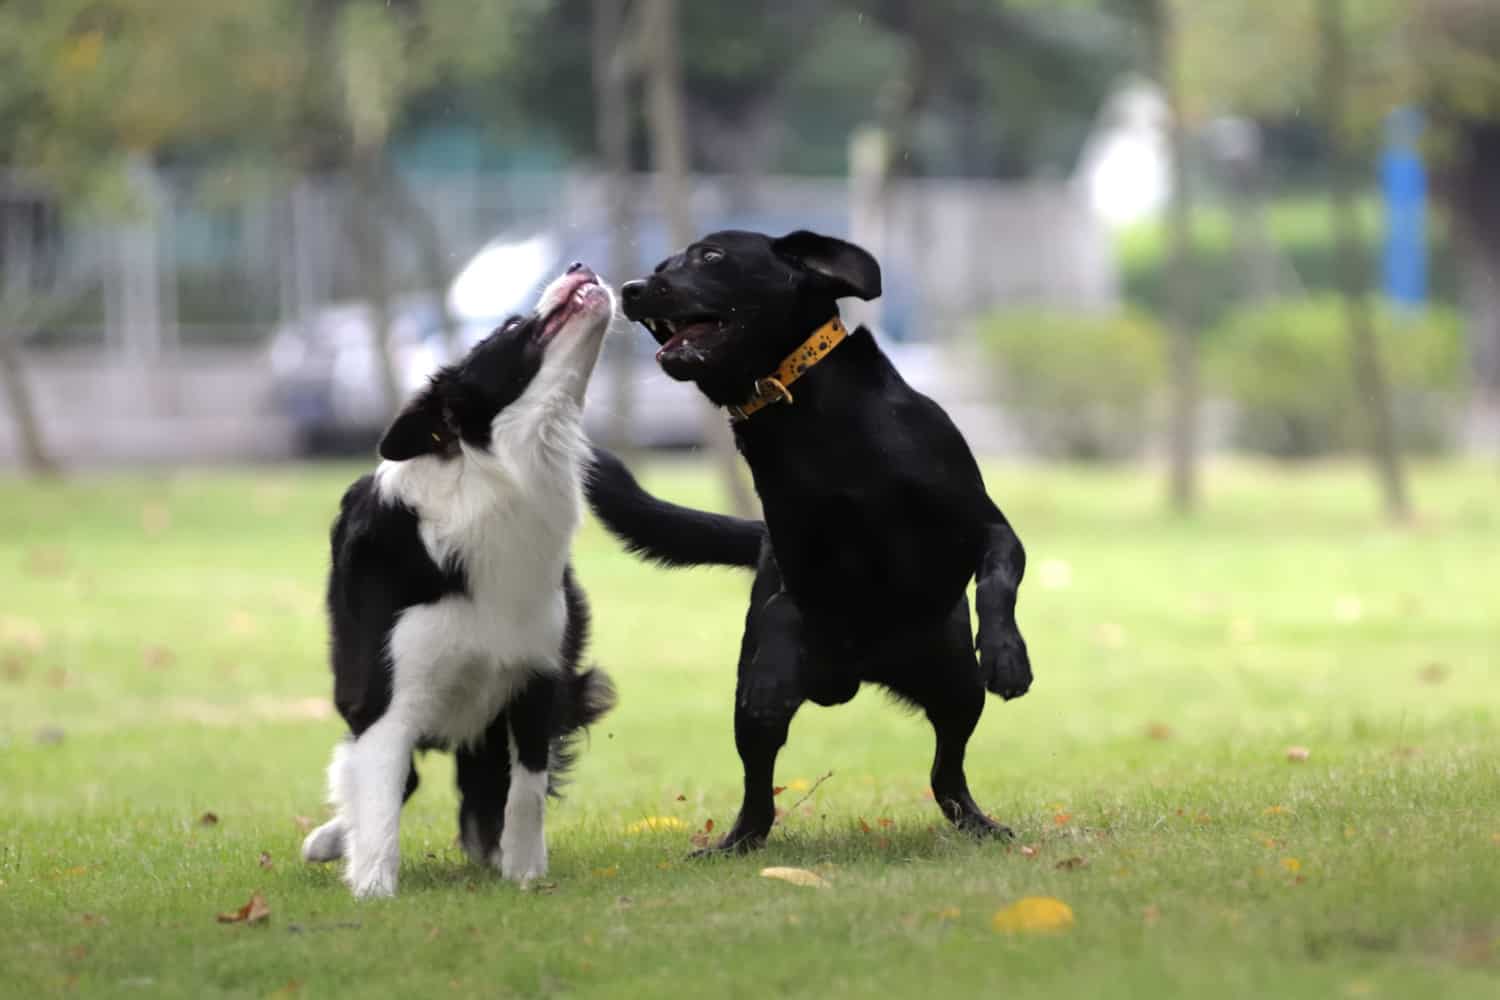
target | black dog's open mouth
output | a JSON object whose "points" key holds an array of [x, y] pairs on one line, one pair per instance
{"points": [[676, 334]]}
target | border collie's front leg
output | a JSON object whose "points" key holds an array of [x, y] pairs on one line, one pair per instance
{"points": [[377, 771], [523, 841], [1003, 661], [326, 843]]}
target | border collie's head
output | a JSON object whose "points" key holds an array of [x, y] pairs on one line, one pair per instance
{"points": [[530, 365]]}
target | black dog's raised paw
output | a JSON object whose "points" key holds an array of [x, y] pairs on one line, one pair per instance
{"points": [[1004, 664]]}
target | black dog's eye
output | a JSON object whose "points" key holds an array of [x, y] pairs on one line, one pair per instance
{"points": [[712, 255]]}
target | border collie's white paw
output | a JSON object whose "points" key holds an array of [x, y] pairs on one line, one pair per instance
{"points": [[375, 879], [326, 843], [522, 858]]}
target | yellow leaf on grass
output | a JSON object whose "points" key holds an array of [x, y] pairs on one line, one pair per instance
{"points": [[1034, 915], [1274, 810], [656, 824], [799, 784], [796, 876], [1291, 864]]}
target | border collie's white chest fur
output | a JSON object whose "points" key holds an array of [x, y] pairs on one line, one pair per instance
{"points": [[506, 523]]}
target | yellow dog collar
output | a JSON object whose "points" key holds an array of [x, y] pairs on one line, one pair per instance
{"points": [[776, 387]]}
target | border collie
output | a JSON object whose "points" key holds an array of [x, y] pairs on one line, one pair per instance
{"points": [[876, 516], [455, 618]]}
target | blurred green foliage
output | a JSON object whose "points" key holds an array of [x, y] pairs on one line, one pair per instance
{"points": [[1286, 368], [1079, 384]]}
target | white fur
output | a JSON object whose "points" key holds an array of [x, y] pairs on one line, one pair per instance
{"points": [[507, 514]]}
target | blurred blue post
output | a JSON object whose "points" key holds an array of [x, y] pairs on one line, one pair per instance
{"points": [[1403, 179]]}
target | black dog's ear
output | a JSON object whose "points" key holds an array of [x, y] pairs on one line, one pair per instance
{"points": [[849, 269], [420, 429]]}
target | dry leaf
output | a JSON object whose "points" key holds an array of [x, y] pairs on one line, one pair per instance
{"points": [[1158, 731], [863, 826], [609, 872], [158, 657], [1274, 810], [886, 821], [777, 790], [796, 876], [208, 819], [1061, 819], [1433, 673], [254, 912], [304, 823], [681, 797], [1034, 915], [1291, 864], [708, 827], [1070, 864], [1297, 754], [265, 859], [799, 784], [94, 920], [1151, 914], [1027, 851], [656, 824]]}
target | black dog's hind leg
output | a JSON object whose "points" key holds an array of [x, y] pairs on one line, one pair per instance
{"points": [[767, 695], [951, 694], [483, 772], [1004, 664]]}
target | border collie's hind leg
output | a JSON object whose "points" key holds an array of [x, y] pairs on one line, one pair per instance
{"points": [[938, 674], [326, 843], [523, 839], [483, 773]]}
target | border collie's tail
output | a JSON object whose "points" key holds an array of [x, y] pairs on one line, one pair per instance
{"points": [[582, 700], [664, 532]]}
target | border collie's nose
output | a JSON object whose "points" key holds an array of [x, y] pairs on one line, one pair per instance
{"points": [[575, 267]]}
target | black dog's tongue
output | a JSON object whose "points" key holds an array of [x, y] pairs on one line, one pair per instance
{"points": [[680, 338]]}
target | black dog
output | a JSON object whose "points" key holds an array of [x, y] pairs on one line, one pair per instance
{"points": [[876, 516]]}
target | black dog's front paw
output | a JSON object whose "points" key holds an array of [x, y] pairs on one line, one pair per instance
{"points": [[769, 697], [1004, 664]]}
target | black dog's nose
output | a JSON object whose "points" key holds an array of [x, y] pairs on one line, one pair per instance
{"points": [[577, 265], [633, 291]]}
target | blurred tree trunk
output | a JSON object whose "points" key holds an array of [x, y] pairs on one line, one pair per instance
{"points": [[35, 459], [432, 254], [1182, 269], [365, 224], [1353, 274], [659, 54], [1473, 197], [611, 76]]}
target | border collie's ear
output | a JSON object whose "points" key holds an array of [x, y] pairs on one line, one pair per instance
{"points": [[420, 429], [849, 269]]}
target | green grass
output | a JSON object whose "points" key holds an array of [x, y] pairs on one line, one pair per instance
{"points": [[161, 656]]}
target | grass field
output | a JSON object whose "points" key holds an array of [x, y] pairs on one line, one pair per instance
{"points": [[161, 657]]}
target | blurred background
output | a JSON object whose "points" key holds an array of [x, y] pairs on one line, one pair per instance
{"points": [[1112, 230]]}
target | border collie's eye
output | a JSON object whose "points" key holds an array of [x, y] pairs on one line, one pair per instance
{"points": [[712, 256]]}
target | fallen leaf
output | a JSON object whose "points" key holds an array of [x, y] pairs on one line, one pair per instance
{"points": [[656, 824], [1027, 851], [886, 821], [708, 827], [796, 876], [254, 912], [1151, 914], [208, 819], [265, 859], [777, 790], [1034, 915], [1061, 819], [1433, 673], [1071, 864], [1274, 810], [1158, 731], [290, 988], [863, 826], [304, 823], [609, 872], [158, 657], [799, 784], [1297, 754], [94, 920], [1291, 864], [681, 797], [13, 667]]}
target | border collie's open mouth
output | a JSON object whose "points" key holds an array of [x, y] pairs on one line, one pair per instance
{"points": [[675, 334], [582, 292]]}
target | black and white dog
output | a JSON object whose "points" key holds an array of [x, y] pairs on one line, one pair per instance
{"points": [[456, 621], [876, 516]]}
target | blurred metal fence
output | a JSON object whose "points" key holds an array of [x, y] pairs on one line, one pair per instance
{"points": [[171, 296]]}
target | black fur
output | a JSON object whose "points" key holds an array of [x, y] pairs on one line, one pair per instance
{"points": [[876, 513]]}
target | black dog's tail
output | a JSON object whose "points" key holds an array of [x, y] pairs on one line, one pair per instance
{"points": [[664, 532]]}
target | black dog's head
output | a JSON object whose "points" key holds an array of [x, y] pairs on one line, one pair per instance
{"points": [[728, 308], [510, 376]]}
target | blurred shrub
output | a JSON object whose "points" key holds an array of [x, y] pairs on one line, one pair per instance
{"points": [[1080, 385], [1286, 367], [1300, 231]]}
